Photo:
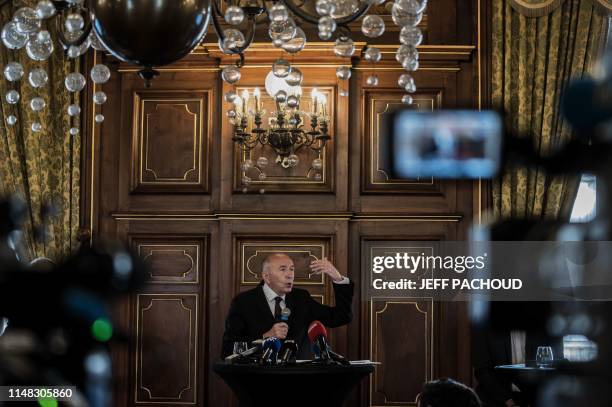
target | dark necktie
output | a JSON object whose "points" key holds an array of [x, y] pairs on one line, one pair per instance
{"points": [[277, 308]]}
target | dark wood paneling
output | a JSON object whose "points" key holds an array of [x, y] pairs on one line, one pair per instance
{"points": [[401, 338], [166, 341], [170, 138]]}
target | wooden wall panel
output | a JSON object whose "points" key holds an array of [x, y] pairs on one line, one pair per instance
{"points": [[166, 341], [401, 338], [171, 260], [170, 150]]}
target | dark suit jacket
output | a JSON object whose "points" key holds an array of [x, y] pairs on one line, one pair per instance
{"points": [[249, 316], [493, 348]]}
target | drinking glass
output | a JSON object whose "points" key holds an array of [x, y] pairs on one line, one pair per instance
{"points": [[544, 356], [240, 347]]}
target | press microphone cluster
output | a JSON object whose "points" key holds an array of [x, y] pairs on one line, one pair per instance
{"points": [[317, 334]]}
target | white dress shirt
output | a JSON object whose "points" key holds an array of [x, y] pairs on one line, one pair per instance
{"points": [[271, 295]]}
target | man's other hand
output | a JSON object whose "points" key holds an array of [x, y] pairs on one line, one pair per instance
{"points": [[326, 267], [278, 330]]}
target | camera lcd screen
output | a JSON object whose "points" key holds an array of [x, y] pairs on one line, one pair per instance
{"points": [[445, 144]]}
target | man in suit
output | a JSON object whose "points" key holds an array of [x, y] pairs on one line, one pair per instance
{"points": [[255, 314]]}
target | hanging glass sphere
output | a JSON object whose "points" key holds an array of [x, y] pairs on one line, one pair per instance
{"points": [[245, 190], [38, 78], [373, 26], [99, 97], [100, 74], [262, 162], [246, 181], [410, 87], [99, 118], [262, 191], [231, 114], [12, 97], [74, 131], [13, 71], [40, 47], [317, 164], [344, 8], [410, 65], [294, 78], [12, 38], [281, 68], [406, 51], [45, 9], [293, 101], [372, 54], [325, 35], [292, 121], [372, 80], [37, 104], [343, 93], [282, 30], [233, 39], [318, 176], [297, 43], [344, 47], [262, 176], [234, 15], [278, 13], [412, 6], [281, 96], [246, 165], [403, 18], [325, 7], [26, 20], [74, 22], [278, 43], [343, 72], [74, 110], [293, 160], [230, 96], [11, 120], [75, 82], [231, 74], [407, 99], [411, 36], [326, 24], [404, 79], [36, 127]]}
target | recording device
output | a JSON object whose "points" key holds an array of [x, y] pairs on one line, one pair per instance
{"points": [[288, 352], [444, 144], [285, 314], [270, 348], [317, 334]]}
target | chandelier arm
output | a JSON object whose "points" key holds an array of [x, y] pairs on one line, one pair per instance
{"points": [[215, 13], [356, 15], [298, 12]]}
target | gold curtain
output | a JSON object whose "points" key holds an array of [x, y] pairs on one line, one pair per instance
{"points": [[533, 60], [43, 167]]}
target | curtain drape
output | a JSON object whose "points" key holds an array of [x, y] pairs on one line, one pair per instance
{"points": [[533, 60], [42, 168]]}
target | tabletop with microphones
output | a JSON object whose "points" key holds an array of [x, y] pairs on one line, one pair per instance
{"points": [[273, 351]]}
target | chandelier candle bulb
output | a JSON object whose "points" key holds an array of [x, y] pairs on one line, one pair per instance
{"points": [[315, 95], [245, 99], [257, 94]]}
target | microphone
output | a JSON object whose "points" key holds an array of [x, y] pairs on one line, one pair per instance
{"points": [[284, 316], [317, 334], [288, 352], [587, 103], [256, 346], [270, 347]]}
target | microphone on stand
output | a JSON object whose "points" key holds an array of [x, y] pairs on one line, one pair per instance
{"points": [[270, 347], [317, 334], [288, 352], [255, 347]]}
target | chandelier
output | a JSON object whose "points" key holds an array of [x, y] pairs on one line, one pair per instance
{"points": [[155, 33]]}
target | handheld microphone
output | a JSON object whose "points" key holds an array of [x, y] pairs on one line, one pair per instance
{"points": [[317, 334], [284, 316], [270, 347], [288, 352]]}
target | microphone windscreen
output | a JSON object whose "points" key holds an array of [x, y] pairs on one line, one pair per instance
{"points": [[285, 314], [585, 103], [272, 343], [289, 344], [315, 330]]}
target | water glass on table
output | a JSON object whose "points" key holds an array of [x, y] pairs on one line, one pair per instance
{"points": [[544, 356]]}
